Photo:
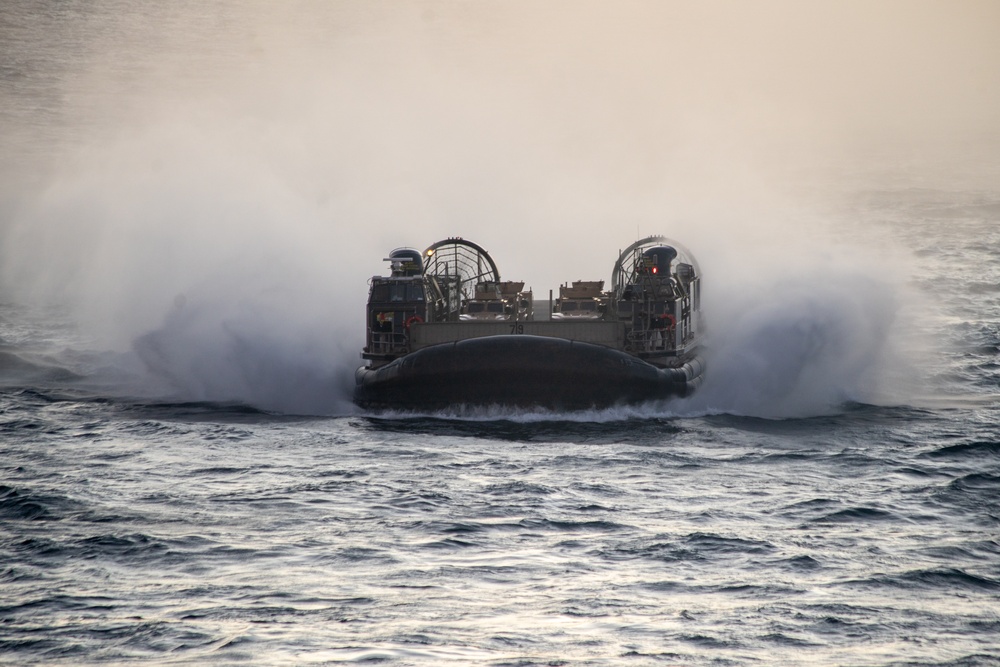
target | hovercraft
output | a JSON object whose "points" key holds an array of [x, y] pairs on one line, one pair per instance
{"points": [[443, 330]]}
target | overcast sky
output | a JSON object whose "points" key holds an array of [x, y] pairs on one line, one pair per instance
{"points": [[187, 137]]}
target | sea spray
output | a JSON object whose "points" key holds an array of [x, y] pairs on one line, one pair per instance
{"points": [[804, 347], [219, 277], [255, 152], [228, 287]]}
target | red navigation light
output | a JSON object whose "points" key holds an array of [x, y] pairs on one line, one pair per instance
{"points": [[654, 269]]}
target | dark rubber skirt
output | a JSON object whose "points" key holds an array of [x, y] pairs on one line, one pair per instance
{"points": [[524, 371]]}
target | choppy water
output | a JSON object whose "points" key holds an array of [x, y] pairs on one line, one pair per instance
{"points": [[205, 494], [141, 530]]}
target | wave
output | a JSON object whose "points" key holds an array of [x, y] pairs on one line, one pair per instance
{"points": [[23, 505], [948, 579], [976, 450], [857, 515]]}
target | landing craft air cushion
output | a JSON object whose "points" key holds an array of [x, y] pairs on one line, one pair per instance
{"points": [[443, 330]]}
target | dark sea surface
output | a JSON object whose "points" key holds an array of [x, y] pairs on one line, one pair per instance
{"points": [[831, 497], [187, 533]]}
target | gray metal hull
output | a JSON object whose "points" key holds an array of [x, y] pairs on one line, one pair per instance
{"points": [[521, 371]]}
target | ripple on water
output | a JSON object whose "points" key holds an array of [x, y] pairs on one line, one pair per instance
{"points": [[28, 505], [518, 488], [976, 482], [857, 515], [966, 450], [946, 580]]}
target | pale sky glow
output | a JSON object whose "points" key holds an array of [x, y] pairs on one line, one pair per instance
{"points": [[186, 144]]}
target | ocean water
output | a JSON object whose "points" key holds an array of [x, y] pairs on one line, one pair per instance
{"points": [[184, 481], [144, 530]]}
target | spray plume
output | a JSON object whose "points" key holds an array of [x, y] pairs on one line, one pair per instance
{"points": [[217, 184]]}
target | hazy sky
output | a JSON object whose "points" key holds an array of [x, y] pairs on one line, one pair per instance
{"points": [[172, 141]]}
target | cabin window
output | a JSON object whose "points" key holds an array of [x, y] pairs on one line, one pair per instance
{"points": [[477, 307], [568, 306], [588, 306], [494, 307], [397, 292]]}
